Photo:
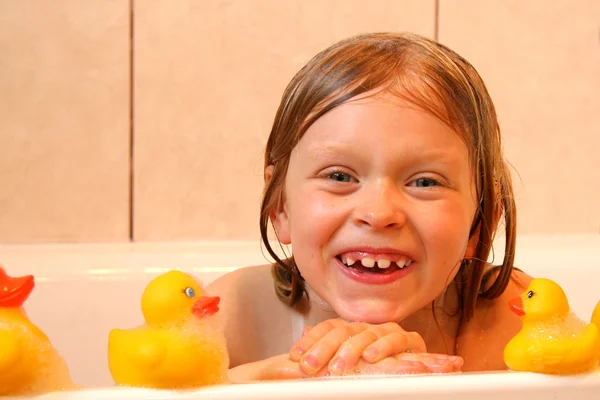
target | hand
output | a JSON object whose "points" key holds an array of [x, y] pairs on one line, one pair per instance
{"points": [[281, 367], [340, 345], [409, 363]]}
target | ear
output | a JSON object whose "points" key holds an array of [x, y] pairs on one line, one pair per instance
{"points": [[279, 214], [474, 239]]}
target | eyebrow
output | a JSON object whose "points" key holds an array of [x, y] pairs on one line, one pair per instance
{"points": [[439, 155], [330, 149]]}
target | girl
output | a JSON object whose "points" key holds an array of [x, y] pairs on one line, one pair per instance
{"points": [[384, 171]]}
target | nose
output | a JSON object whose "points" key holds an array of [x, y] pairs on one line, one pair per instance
{"points": [[380, 206]]}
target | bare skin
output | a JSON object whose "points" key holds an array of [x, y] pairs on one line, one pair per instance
{"points": [[261, 332]]}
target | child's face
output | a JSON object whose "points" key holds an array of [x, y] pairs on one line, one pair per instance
{"points": [[378, 180]]}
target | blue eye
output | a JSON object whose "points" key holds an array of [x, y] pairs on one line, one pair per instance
{"points": [[426, 182], [340, 177], [189, 292]]}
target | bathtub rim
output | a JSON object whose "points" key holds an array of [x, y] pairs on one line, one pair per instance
{"points": [[505, 383]]}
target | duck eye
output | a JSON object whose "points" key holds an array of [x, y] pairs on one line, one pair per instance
{"points": [[530, 294], [189, 292]]}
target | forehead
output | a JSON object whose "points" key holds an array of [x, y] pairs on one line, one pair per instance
{"points": [[367, 116]]}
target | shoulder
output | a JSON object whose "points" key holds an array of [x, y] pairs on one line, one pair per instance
{"points": [[249, 308], [245, 278], [493, 325], [242, 291]]}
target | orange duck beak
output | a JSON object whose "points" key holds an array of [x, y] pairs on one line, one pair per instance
{"points": [[14, 291], [516, 306], [206, 306]]}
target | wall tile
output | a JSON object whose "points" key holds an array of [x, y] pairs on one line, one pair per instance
{"points": [[541, 62], [64, 121], [208, 79]]}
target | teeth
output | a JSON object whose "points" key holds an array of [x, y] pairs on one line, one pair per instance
{"points": [[368, 262], [383, 263]]}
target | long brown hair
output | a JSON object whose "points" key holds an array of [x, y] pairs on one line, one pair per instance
{"points": [[434, 78]]}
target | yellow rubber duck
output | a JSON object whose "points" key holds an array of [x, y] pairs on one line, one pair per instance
{"points": [[29, 364], [552, 339], [181, 345]]}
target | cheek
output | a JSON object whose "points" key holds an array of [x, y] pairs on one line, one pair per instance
{"points": [[316, 212], [447, 225], [316, 218]]}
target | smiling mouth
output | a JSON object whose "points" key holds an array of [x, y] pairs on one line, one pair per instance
{"points": [[370, 265]]}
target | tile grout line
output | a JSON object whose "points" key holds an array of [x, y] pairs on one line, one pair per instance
{"points": [[131, 123], [436, 20]]}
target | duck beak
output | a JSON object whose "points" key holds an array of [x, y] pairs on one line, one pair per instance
{"points": [[14, 291], [516, 306], [206, 306]]}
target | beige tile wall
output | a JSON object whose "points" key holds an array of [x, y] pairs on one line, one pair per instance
{"points": [[208, 76], [541, 62], [64, 120]]}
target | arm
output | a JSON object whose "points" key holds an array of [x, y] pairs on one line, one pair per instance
{"points": [[251, 313], [244, 292], [231, 314], [281, 367], [278, 367]]}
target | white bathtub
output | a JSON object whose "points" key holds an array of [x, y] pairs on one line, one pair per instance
{"points": [[83, 291]]}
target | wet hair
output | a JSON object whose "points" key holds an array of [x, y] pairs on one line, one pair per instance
{"points": [[434, 78]]}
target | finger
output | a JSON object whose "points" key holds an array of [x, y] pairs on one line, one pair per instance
{"points": [[352, 349], [414, 341], [386, 346], [279, 368], [323, 372], [305, 331], [319, 355], [456, 361], [392, 366], [435, 363], [291, 371], [312, 336], [374, 344], [441, 362]]}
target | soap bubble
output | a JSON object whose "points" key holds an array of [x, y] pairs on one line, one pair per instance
{"points": [[547, 338]]}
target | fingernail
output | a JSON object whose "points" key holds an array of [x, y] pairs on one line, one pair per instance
{"points": [[455, 359], [311, 362], [371, 353], [338, 365], [441, 361]]}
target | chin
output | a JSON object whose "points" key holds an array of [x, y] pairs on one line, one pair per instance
{"points": [[372, 314]]}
